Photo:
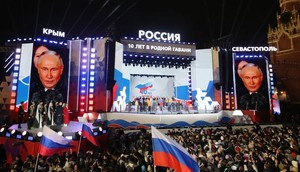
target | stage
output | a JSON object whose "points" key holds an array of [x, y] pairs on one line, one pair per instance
{"points": [[17, 144], [130, 120], [133, 120]]}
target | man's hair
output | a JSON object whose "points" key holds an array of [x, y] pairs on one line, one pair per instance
{"points": [[51, 52], [252, 65]]}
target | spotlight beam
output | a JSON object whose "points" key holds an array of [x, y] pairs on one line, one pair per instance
{"points": [[95, 16], [64, 17], [131, 6], [37, 17], [78, 18], [110, 14]]}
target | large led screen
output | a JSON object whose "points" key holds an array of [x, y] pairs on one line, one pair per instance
{"points": [[49, 74], [251, 82]]}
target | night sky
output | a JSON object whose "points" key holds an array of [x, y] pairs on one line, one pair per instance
{"points": [[207, 23]]}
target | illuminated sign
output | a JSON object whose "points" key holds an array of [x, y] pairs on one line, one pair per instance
{"points": [[265, 48], [53, 32], [160, 36], [160, 48], [145, 88]]}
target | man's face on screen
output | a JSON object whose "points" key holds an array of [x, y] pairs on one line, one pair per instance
{"points": [[50, 69]]}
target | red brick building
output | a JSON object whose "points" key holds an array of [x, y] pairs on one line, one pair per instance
{"points": [[286, 61]]}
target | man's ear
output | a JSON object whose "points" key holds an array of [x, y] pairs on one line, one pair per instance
{"points": [[62, 69], [38, 70]]}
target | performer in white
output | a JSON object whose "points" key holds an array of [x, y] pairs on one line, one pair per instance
{"points": [[39, 116], [51, 113]]}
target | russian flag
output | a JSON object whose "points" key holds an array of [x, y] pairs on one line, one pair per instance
{"points": [[52, 142], [87, 132], [168, 153]]}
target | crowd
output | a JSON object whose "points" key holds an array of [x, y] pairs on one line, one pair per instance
{"points": [[218, 149], [153, 104]]}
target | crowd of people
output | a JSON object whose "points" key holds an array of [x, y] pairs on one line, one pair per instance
{"points": [[154, 104], [216, 149]]}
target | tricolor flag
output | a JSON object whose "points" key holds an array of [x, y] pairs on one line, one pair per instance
{"points": [[87, 132], [52, 142], [168, 153]]}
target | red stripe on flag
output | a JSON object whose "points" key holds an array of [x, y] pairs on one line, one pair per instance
{"points": [[45, 151], [166, 160]]}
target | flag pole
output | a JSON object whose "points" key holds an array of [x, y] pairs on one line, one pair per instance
{"points": [[37, 158], [79, 144], [36, 162]]}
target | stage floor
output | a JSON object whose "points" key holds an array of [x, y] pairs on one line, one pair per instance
{"points": [[130, 120]]}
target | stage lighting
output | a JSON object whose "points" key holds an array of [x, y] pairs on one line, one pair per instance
{"points": [[27, 136], [15, 134], [7, 134], [13, 131], [77, 135], [30, 138], [40, 134], [3, 131], [24, 133], [95, 133], [18, 136], [69, 137]]}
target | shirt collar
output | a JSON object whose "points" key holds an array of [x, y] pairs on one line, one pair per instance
{"points": [[46, 89]]}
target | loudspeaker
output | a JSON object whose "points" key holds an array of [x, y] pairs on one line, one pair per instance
{"points": [[97, 123]]}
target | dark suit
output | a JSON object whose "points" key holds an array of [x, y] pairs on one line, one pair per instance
{"points": [[31, 116], [20, 115], [47, 96], [253, 101], [59, 115], [39, 94]]}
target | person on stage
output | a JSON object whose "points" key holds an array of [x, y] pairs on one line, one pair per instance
{"points": [[66, 114], [59, 114], [31, 115], [21, 113], [38, 116], [50, 113]]}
